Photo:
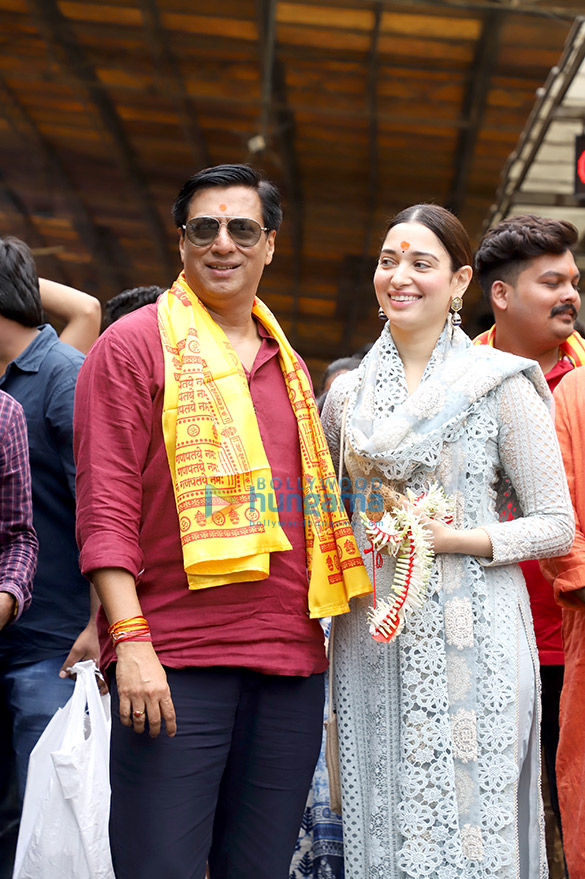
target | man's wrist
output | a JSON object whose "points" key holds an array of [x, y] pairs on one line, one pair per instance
{"points": [[9, 606]]}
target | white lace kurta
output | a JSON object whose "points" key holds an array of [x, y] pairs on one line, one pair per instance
{"points": [[439, 748]]}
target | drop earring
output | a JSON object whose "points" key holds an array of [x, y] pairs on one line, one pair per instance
{"points": [[456, 306], [381, 314]]}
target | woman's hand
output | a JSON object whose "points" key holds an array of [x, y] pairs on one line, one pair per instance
{"points": [[143, 689], [445, 539]]}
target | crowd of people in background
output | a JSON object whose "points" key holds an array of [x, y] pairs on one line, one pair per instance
{"points": [[174, 517]]}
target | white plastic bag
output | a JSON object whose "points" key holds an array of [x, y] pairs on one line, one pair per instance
{"points": [[64, 826]]}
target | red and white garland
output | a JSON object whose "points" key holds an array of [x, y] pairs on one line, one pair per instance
{"points": [[401, 533]]}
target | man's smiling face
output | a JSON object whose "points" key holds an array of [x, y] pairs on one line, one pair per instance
{"points": [[544, 301], [222, 271]]}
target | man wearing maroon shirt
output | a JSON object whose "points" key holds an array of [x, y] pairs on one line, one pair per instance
{"points": [[529, 278], [233, 673]]}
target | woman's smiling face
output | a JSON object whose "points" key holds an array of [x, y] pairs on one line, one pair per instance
{"points": [[414, 280]]}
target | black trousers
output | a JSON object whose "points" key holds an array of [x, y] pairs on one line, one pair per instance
{"points": [[230, 787], [551, 677]]}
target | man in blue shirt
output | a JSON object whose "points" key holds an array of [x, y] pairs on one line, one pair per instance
{"points": [[40, 372]]}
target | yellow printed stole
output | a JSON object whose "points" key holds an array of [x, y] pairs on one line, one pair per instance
{"points": [[573, 347], [221, 476]]}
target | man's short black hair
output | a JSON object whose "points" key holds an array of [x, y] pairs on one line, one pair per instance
{"points": [[342, 364], [231, 175], [129, 300], [504, 249], [20, 298]]}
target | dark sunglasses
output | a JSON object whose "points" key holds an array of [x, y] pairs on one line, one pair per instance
{"points": [[244, 232]]}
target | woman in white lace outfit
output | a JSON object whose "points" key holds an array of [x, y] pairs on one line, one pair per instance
{"points": [[438, 729]]}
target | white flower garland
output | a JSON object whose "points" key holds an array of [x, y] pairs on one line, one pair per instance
{"points": [[402, 534]]}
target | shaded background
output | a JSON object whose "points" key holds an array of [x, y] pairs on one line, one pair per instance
{"points": [[356, 109]]}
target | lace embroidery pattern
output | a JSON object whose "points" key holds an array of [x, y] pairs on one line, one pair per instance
{"points": [[459, 623], [412, 805], [471, 842], [463, 787], [464, 735], [458, 678]]}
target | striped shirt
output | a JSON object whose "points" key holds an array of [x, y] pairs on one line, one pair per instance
{"points": [[18, 541]]}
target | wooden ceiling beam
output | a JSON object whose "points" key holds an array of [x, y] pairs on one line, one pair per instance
{"points": [[326, 113], [169, 71], [57, 32], [32, 236], [373, 179], [266, 15], [474, 104], [547, 198], [559, 9], [286, 136], [275, 103], [88, 231]]}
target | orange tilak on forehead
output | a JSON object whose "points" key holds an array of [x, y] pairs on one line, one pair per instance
{"points": [[404, 245], [223, 207]]}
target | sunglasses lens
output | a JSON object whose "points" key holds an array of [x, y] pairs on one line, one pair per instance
{"points": [[202, 230], [244, 232]]}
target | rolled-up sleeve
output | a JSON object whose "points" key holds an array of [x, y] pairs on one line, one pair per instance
{"points": [[112, 430]]}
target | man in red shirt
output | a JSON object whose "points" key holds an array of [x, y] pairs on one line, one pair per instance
{"points": [[529, 278], [201, 468], [567, 575]]}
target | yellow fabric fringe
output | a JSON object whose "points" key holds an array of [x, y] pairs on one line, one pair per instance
{"points": [[221, 476], [573, 347]]}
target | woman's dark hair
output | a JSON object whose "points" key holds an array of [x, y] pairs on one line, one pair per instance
{"points": [[506, 247], [448, 229], [231, 175], [20, 298]]}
